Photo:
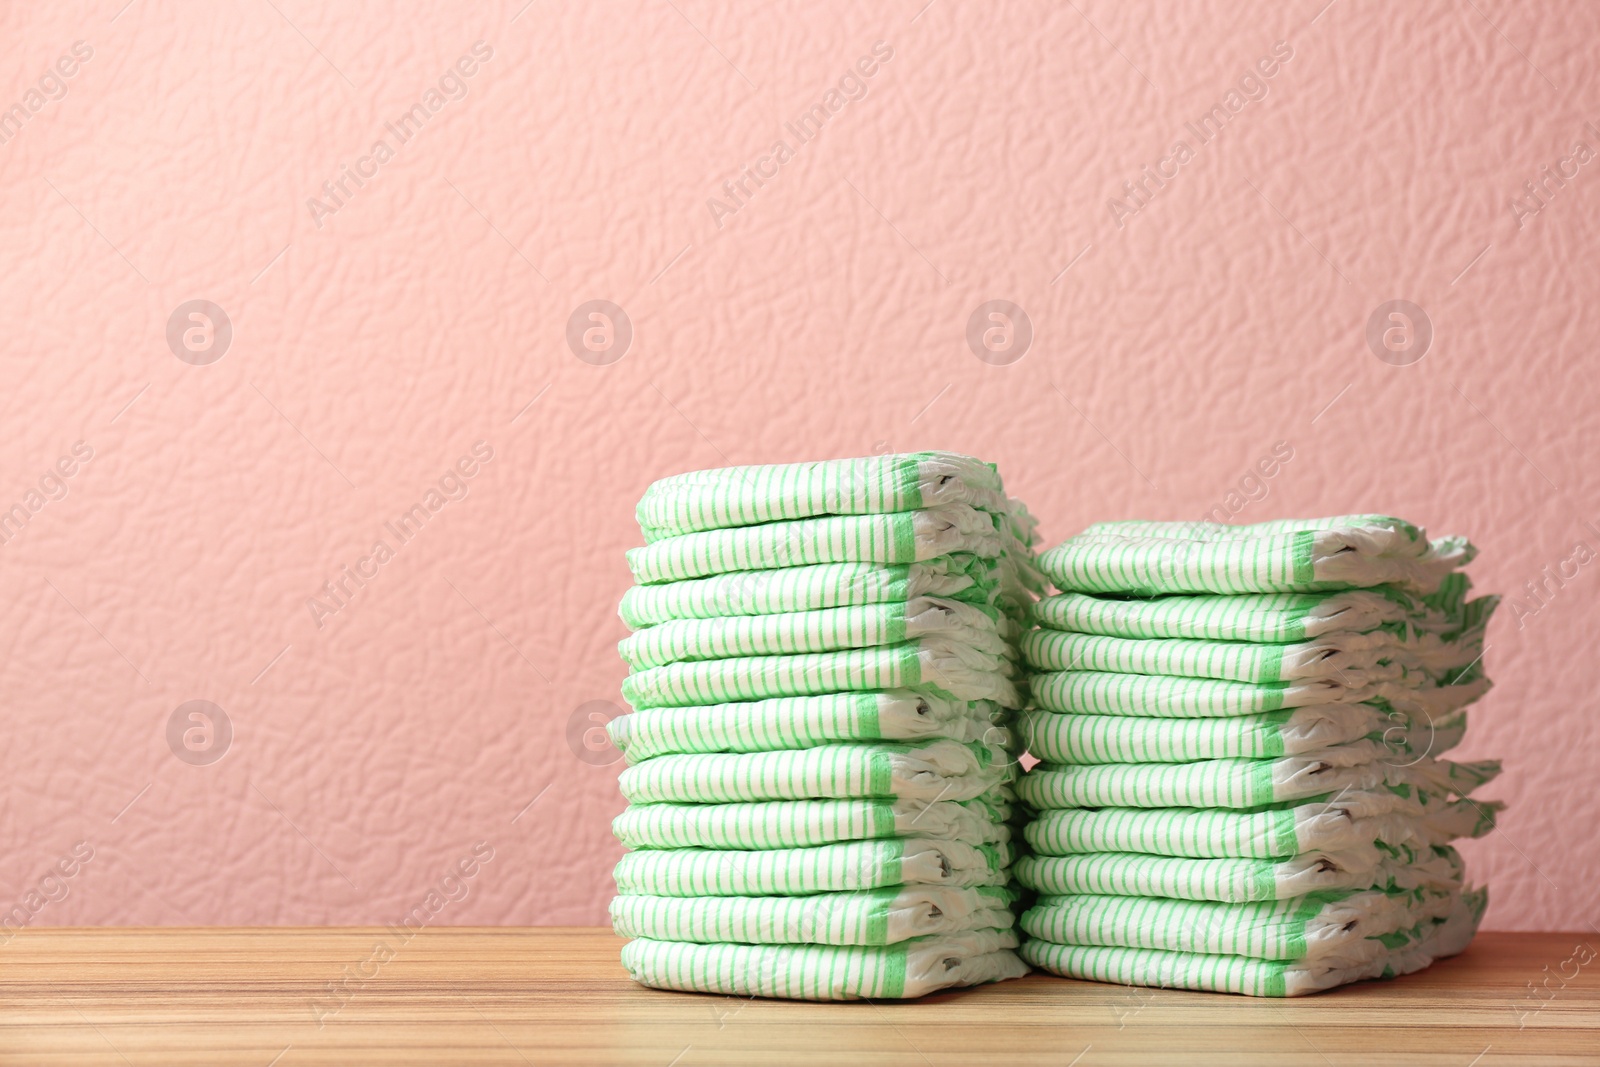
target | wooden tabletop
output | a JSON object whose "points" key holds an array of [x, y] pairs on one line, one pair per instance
{"points": [[559, 996]]}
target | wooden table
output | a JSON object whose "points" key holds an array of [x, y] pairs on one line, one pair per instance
{"points": [[559, 996]]}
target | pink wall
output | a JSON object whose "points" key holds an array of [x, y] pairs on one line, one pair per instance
{"points": [[377, 338]]}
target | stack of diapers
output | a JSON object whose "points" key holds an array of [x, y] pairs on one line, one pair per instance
{"points": [[824, 673], [1242, 733]]}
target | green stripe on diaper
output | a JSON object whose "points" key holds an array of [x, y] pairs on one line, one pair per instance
{"points": [[1303, 543]]}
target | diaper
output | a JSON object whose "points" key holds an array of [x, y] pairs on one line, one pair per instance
{"points": [[903, 537], [1303, 928], [1355, 820], [1430, 940], [871, 917], [1270, 617], [1056, 737], [801, 722], [1298, 555], [843, 867], [747, 496], [1231, 783], [963, 577], [912, 968], [828, 630], [795, 823], [1106, 693], [932, 770], [1351, 659], [1238, 881], [945, 666]]}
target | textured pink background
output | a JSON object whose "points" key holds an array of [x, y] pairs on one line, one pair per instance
{"points": [[826, 317]]}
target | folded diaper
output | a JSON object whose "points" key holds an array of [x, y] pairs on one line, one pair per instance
{"points": [[963, 577], [793, 823], [747, 496], [944, 664], [843, 867], [1302, 928], [1234, 783], [1270, 617], [930, 770], [1161, 558], [816, 972], [1354, 820], [1351, 659], [903, 537], [1430, 940], [1058, 737], [827, 630], [802, 722], [1240, 880], [1106, 693], [870, 917]]}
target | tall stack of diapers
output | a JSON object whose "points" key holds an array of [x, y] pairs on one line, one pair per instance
{"points": [[824, 674], [1243, 731]]}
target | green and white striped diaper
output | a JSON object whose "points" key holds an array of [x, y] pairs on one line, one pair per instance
{"points": [[942, 664], [804, 722], [963, 577], [1107, 693], [1241, 881], [911, 968], [791, 823], [1161, 558], [748, 496], [1351, 659], [871, 917], [1058, 737], [827, 630], [1355, 820], [1302, 928], [844, 867], [1237, 784], [1270, 617], [931, 770], [1353, 961], [903, 537]]}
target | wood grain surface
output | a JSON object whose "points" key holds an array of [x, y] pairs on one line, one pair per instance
{"points": [[559, 996]]}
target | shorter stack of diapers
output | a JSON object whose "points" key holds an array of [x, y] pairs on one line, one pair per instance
{"points": [[1242, 732], [824, 674]]}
